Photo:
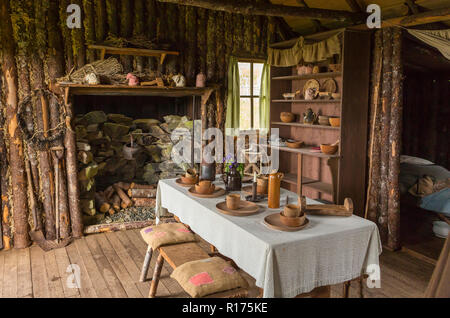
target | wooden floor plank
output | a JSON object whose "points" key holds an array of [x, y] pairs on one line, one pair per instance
{"points": [[119, 268], [39, 273], [138, 258], [63, 262], [130, 266], [105, 268], [174, 288], [24, 283], [2, 263], [93, 274], [87, 289], [10, 274], [54, 279]]}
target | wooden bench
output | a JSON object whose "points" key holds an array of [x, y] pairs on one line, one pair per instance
{"points": [[178, 254]]}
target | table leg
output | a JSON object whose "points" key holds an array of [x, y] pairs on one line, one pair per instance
{"points": [[156, 276], [346, 289]]}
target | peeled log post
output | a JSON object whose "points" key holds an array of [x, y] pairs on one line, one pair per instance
{"points": [[89, 28], [191, 34], [268, 9], [384, 140], [73, 190], [16, 153], [211, 47], [375, 123], [395, 138]]}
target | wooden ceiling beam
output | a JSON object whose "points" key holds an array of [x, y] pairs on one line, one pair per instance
{"points": [[319, 27], [269, 9]]}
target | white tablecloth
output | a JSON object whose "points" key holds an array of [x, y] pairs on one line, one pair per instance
{"points": [[330, 250]]}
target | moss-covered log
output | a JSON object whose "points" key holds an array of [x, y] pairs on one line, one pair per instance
{"points": [[66, 35], [181, 37], [78, 41], [16, 152], [191, 36], [138, 30], [126, 30], [201, 39], [5, 214], [248, 35], [211, 47], [172, 28], [100, 20], [220, 48], [89, 28], [151, 27], [112, 17]]}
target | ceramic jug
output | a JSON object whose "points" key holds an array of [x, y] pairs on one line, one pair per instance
{"points": [[232, 180], [274, 189]]}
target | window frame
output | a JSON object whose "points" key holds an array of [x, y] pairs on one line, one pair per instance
{"points": [[251, 96]]}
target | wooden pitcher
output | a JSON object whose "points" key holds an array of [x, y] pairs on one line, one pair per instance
{"points": [[274, 189]]}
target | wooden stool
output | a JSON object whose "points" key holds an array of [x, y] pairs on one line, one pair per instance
{"points": [[177, 255]]}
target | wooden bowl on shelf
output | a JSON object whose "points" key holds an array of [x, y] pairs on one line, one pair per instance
{"points": [[287, 117], [293, 221], [294, 144], [328, 149], [335, 121]]}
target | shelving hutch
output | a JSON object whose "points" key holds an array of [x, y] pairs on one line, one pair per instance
{"points": [[315, 174]]}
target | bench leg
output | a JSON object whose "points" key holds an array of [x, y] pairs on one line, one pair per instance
{"points": [[148, 257], [346, 289], [156, 275]]}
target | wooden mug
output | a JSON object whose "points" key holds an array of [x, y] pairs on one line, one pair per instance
{"points": [[262, 184], [233, 201], [291, 210]]}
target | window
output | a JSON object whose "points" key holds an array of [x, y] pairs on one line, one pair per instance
{"points": [[250, 86]]}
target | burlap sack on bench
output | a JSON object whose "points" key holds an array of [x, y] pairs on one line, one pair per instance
{"points": [[167, 234], [208, 276]]}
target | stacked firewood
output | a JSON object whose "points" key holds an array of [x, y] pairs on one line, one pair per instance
{"points": [[103, 162]]}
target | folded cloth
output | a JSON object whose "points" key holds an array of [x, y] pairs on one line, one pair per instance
{"points": [[208, 276], [167, 234]]}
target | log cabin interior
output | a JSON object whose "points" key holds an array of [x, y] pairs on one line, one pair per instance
{"points": [[224, 149]]}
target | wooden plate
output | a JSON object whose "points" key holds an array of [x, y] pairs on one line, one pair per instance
{"points": [[273, 221], [249, 190], [217, 193], [180, 183], [246, 208], [329, 85], [312, 83]]}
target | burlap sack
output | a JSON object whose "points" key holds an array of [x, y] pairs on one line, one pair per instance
{"points": [[166, 234], [208, 276]]}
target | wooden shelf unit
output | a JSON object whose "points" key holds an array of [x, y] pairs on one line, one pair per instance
{"points": [[161, 54], [330, 177]]}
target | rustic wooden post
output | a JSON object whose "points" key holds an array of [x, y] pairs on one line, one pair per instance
{"points": [[385, 124], [191, 36], [78, 42], [374, 145], [4, 186], [66, 35], [89, 28], [16, 151], [72, 172], [211, 49], [201, 39], [395, 138], [138, 30], [126, 31], [100, 20]]}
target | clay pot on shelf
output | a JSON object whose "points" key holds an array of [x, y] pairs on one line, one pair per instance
{"points": [[287, 117], [200, 80]]}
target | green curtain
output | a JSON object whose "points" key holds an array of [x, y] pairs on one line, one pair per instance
{"points": [[264, 99], [233, 100]]}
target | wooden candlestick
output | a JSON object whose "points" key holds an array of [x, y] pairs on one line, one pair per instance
{"points": [[254, 187]]}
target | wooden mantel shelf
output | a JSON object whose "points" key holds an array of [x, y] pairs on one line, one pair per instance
{"points": [[132, 51], [125, 90]]}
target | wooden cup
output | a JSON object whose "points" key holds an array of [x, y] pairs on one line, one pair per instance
{"points": [[233, 201], [262, 185], [291, 211]]}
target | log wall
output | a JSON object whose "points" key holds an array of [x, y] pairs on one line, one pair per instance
{"points": [[36, 47]]}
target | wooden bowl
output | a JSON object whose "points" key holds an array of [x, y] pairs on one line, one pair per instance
{"points": [[294, 144], [335, 121], [189, 179], [293, 222], [287, 117], [328, 149]]}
